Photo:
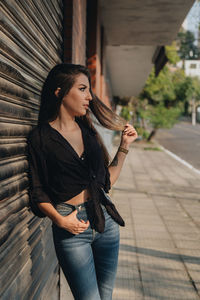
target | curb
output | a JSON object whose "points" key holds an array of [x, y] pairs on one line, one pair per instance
{"points": [[176, 157]]}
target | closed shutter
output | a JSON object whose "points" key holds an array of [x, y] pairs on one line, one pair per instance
{"points": [[31, 44]]}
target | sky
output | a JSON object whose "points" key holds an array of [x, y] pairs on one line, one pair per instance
{"points": [[192, 20]]}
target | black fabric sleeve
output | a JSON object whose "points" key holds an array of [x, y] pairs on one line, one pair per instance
{"points": [[37, 178]]}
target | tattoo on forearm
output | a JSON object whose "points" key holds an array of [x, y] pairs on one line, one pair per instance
{"points": [[114, 163]]}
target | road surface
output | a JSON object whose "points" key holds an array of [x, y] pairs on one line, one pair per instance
{"points": [[183, 140]]}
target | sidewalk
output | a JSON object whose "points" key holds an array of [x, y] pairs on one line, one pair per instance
{"points": [[159, 199]]}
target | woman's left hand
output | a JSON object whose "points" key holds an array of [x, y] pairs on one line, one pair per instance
{"points": [[129, 134]]}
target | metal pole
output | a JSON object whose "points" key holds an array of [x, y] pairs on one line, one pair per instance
{"points": [[193, 112]]}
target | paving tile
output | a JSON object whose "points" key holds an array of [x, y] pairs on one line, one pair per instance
{"points": [[169, 290], [188, 236], [197, 286], [188, 244], [126, 290], [167, 261], [159, 252], [156, 243]]}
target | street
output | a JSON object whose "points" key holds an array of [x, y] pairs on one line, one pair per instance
{"points": [[183, 140]]}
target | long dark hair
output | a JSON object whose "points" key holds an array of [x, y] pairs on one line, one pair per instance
{"points": [[64, 76]]}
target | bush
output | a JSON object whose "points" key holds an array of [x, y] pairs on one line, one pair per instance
{"points": [[142, 132], [161, 117]]}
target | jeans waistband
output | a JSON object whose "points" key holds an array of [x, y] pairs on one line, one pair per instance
{"points": [[77, 207]]}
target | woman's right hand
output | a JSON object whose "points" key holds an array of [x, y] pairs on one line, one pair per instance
{"points": [[72, 224]]}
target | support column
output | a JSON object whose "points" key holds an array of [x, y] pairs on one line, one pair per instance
{"points": [[67, 30], [74, 31], [93, 51]]}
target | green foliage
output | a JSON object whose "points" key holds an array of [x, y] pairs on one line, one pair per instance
{"points": [[187, 48], [142, 132], [171, 53], [152, 148], [181, 85], [160, 88], [162, 117], [125, 113], [163, 98], [196, 88], [170, 87]]}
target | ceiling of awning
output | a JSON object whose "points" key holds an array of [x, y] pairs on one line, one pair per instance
{"points": [[134, 29]]}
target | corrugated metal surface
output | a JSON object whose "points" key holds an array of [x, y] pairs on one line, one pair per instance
{"points": [[31, 44]]}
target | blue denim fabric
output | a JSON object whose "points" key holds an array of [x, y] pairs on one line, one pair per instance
{"points": [[89, 259]]}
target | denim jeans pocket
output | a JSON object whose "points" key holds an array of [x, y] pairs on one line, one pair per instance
{"points": [[82, 215], [64, 209]]}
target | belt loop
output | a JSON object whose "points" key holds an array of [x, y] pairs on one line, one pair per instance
{"points": [[79, 207]]}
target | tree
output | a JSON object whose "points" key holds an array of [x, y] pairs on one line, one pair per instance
{"points": [[172, 54], [161, 117], [195, 96], [187, 48], [159, 89], [186, 88], [196, 88], [166, 94], [125, 113], [164, 97]]}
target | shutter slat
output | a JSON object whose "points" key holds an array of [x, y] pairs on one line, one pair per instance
{"points": [[31, 44]]}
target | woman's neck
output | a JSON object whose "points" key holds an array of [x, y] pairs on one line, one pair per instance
{"points": [[64, 122]]}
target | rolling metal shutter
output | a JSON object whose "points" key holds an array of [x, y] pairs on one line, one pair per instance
{"points": [[31, 44]]}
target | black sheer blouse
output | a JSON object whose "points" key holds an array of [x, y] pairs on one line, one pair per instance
{"points": [[57, 173]]}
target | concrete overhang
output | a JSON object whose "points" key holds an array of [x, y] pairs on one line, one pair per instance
{"points": [[134, 30]]}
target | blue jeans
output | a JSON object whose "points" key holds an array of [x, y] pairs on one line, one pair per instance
{"points": [[89, 259]]}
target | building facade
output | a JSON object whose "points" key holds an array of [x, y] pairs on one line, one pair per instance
{"points": [[191, 67], [36, 36]]}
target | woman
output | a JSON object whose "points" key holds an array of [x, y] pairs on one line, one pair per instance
{"points": [[71, 176]]}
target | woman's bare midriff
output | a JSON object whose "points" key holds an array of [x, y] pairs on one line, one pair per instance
{"points": [[80, 198]]}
